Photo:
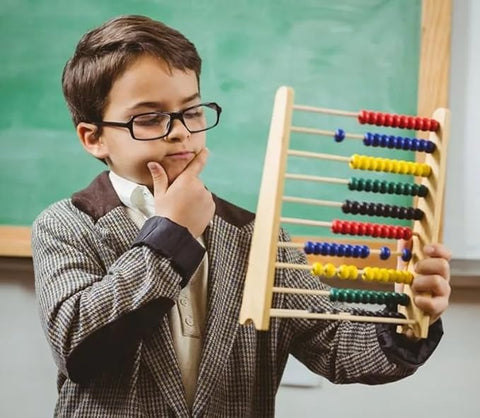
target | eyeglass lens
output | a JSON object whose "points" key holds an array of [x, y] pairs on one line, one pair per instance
{"points": [[154, 125]]}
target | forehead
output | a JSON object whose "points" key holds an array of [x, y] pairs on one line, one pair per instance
{"points": [[149, 79]]}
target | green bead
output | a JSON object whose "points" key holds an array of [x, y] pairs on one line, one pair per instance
{"points": [[423, 191], [333, 294], [352, 184], [383, 187], [375, 186], [391, 187], [368, 185], [398, 188]]}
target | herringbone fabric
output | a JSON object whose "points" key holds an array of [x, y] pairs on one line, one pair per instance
{"points": [[87, 276]]}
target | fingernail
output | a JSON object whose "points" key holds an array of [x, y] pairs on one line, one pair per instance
{"points": [[151, 166]]}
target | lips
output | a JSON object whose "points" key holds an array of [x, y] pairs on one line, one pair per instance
{"points": [[180, 155]]}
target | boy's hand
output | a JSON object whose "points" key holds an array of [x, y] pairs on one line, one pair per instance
{"points": [[431, 286], [433, 278], [186, 201]]}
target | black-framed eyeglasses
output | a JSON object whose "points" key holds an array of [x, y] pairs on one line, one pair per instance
{"points": [[156, 125]]}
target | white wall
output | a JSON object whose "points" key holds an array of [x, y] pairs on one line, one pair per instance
{"points": [[462, 204]]}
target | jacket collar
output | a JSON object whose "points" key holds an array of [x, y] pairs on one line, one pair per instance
{"points": [[100, 197]]}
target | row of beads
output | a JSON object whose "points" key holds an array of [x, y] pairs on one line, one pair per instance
{"points": [[398, 142], [369, 296], [370, 230], [398, 121], [390, 141], [359, 312], [364, 162], [350, 272], [340, 250], [347, 250], [389, 187], [380, 209]]}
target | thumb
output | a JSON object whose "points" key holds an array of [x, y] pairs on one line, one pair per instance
{"points": [[195, 166], [159, 176]]}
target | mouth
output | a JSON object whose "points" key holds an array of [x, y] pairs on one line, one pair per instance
{"points": [[181, 155]]}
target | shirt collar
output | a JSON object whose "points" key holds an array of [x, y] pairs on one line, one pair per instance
{"points": [[133, 195]]}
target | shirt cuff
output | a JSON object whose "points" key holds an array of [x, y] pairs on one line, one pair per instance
{"points": [[405, 351], [174, 242]]}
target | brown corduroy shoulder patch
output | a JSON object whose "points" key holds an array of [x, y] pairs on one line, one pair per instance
{"points": [[231, 213], [98, 198]]}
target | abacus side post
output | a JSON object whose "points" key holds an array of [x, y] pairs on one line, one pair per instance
{"points": [[257, 297]]}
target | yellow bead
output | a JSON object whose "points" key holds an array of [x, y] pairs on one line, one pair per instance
{"points": [[329, 270], [343, 272], [354, 162], [353, 272], [367, 274], [317, 269]]}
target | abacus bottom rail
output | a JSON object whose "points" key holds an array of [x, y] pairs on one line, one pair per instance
{"points": [[294, 313]]}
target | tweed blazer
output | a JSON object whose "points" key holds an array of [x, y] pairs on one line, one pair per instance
{"points": [[103, 303]]}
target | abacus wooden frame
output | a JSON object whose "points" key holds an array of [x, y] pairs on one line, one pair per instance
{"points": [[259, 284]]}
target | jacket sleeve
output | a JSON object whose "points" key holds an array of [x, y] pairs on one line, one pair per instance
{"points": [[94, 316], [344, 351]]}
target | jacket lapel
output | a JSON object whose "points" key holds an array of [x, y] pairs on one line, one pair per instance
{"points": [[225, 286]]}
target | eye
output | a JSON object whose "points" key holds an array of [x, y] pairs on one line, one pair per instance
{"points": [[196, 112], [150, 119]]}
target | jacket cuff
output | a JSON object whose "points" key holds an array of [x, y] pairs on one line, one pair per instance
{"points": [[405, 351], [174, 242]]}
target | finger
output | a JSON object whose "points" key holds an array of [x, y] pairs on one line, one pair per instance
{"points": [[195, 166], [159, 177], [433, 266], [438, 251], [431, 306], [434, 284]]}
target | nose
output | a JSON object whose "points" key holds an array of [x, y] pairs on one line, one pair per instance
{"points": [[178, 131]]}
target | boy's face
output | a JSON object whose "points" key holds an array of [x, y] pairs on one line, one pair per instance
{"points": [[148, 85]]}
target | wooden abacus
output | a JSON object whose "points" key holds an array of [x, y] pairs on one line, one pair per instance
{"points": [[426, 217]]}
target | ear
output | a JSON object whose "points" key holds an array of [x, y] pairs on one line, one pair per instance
{"points": [[91, 140]]}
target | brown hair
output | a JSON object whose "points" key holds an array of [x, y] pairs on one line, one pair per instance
{"points": [[104, 53]]}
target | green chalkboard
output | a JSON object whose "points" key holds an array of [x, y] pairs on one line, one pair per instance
{"points": [[344, 54]]}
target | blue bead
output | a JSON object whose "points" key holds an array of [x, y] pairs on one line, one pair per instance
{"points": [[392, 141], [308, 248], [414, 144], [333, 249], [317, 248], [367, 139], [376, 140], [348, 250], [406, 254], [341, 250], [357, 251], [399, 142], [383, 141], [365, 251], [325, 248], [339, 135], [406, 143], [430, 147], [384, 253], [421, 145]]}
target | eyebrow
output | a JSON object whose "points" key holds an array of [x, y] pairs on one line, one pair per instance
{"points": [[160, 104]]}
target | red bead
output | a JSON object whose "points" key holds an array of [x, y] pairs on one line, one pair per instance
{"points": [[379, 118], [394, 121], [362, 117], [388, 119], [401, 121], [335, 226], [434, 125], [371, 118], [407, 234], [418, 124], [354, 228]]}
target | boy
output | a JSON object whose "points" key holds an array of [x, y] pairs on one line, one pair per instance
{"points": [[139, 277]]}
